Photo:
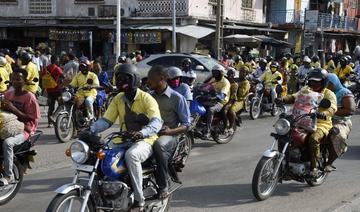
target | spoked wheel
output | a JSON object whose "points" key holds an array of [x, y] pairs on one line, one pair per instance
{"points": [[264, 182], [255, 109], [187, 148], [220, 136], [69, 202], [62, 131], [8, 192], [275, 110]]}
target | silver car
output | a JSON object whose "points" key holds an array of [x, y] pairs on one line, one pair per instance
{"points": [[201, 64]]}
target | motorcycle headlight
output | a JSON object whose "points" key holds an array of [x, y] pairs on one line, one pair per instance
{"points": [[79, 152], [66, 96], [259, 87], [282, 126]]}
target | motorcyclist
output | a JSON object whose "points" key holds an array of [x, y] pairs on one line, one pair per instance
{"points": [[269, 60], [86, 81], [189, 76], [175, 83], [222, 93], [176, 115], [293, 72], [121, 60], [232, 76], [330, 65], [104, 83], [344, 70], [251, 63], [285, 75], [4, 76], [304, 69], [127, 107], [341, 120], [315, 62], [24, 105], [9, 60], [225, 60], [71, 68], [317, 81], [238, 62], [289, 60], [260, 69], [272, 79], [33, 73]]}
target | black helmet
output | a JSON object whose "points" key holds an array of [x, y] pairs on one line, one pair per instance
{"points": [[318, 74], [288, 55], [25, 58], [274, 64], [315, 58], [262, 61], [6, 51], [237, 58], [121, 59], [269, 58], [329, 57], [131, 70], [186, 61], [348, 58]]}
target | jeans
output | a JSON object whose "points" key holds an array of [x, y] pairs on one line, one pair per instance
{"points": [[163, 149], [8, 152], [138, 153], [89, 103], [210, 114]]}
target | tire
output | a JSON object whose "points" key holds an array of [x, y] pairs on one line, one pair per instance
{"points": [[187, 147], [13, 188], [274, 110], [167, 204], [222, 138], [257, 177], [60, 199], [255, 109], [319, 181], [62, 134]]}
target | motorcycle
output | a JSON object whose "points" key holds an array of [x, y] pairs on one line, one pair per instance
{"points": [[354, 87], [203, 98], [108, 186], [69, 117], [23, 154], [289, 159], [262, 101]]}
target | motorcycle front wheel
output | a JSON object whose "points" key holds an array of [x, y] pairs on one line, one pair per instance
{"points": [[8, 192], [69, 202], [264, 182], [274, 110], [220, 136], [255, 108], [62, 132]]}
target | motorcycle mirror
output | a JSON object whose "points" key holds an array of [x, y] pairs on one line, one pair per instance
{"points": [[90, 81], [325, 103]]}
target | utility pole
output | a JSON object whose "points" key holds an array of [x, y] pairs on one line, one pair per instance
{"points": [[322, 42], [91, 44], [174, 27], [118, 29], [219, 28]]}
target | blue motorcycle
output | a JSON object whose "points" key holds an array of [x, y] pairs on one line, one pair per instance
{"points": [[107, 185]]}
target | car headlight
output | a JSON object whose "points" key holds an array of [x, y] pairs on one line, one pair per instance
{"points": [[259, 87], [282, 126], [66, 96], [79, 152]]}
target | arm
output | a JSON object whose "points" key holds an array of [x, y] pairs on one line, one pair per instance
{"points": [[183, 113], [100, 126], [24, 117], [348, 107], [153, 112]]}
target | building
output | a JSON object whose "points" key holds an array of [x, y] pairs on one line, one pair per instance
{"points": [[329, 25]]}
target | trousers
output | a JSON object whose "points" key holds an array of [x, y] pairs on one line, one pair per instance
{"points": [[8, 152]]}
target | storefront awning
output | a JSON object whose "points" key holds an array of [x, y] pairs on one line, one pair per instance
{"points": [[249, 28], [241, 39], [272, 41]]}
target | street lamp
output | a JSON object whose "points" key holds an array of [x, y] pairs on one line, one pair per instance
{"points": [[174, 27], [118, 29]]}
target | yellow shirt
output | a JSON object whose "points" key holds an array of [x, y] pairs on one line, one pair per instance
{"points": [[32, 74], [8, 68], [238, 65], [80, 81], [330, 66], [222, 86], [143, 103], [315, 65], [342, 72], [4, 77], [243, 90], [268, 78]]}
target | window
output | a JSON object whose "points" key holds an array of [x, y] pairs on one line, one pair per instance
{"points": [[164, 61], [91, 11], [39, 6], [8, 1], [247, 3]]}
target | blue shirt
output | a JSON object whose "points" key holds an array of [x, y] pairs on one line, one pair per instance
{"points": [[184, 89]]}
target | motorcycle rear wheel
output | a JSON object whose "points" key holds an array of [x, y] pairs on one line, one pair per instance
{"points": [[13, 189], [274, 110], [220, 137], [60, 201], [255, 109], [264, 172], [63, 133]]}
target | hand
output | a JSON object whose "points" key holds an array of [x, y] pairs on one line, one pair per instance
{"points": [[136, 135], [7, 105], [88, 87], [320, 115], [165, 131]]}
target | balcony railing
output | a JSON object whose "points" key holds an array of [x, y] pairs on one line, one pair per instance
{"points": [[248, 15], [286, 17], [338, 22], [161, 8], [107, 11]]}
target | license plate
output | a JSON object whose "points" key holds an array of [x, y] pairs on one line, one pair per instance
{"points": [[84, 168]]}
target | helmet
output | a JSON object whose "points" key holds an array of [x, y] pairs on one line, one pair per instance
{"points": [[237, 58], [263, 60], [174, 72], [6, 51], [25, 57], [114, 163], [225, 57], [131, 70], [3, 61], [329, 57], [219, 68], [315, 58], [274, 64], [121, 59], [186, 61], [269, 58], [349, 58], [306, 59], [318, 74], [84, 60], [231, 72], [288, 55]]}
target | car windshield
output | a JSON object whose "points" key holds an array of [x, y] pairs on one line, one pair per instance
{"points": [[208, 62]]}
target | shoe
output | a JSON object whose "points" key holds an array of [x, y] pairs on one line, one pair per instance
{"points": [[330, 168], [314, 173], [164, 194], [230, 131], [137, 207], [50, 125], [207, 135]]}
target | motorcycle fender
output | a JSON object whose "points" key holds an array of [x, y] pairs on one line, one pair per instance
{"points": [[68, 187], [270, 153], [255, 98]]}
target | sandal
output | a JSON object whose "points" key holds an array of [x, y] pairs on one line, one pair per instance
{"points": [[164, 194], [137, 207]]}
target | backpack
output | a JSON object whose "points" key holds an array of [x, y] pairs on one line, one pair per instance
{"points": [[48, 80]]}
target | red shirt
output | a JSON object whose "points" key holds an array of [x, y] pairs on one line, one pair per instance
{"points": [[27, 104], [56, 72]]}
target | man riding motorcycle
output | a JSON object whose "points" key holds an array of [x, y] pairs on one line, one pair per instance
{"points": [[272, 79], [303, 71], [238, 62], [189, 76], [330, 65], [315, 62], [222, 93], [344, 70], [317, 81], [261, 68], [86, 81], [25, 59], [129, 105], [175, 83], [176, 115]]}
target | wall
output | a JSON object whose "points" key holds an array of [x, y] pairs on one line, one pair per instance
{"points": [[199, 8], [187, 43]]}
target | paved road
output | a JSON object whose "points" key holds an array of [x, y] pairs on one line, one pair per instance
{"points": [[217, 177]]}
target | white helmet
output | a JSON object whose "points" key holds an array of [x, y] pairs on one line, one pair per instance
{"points": [[307, 59], [220, 68], [3, 61], [174, 72]]}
